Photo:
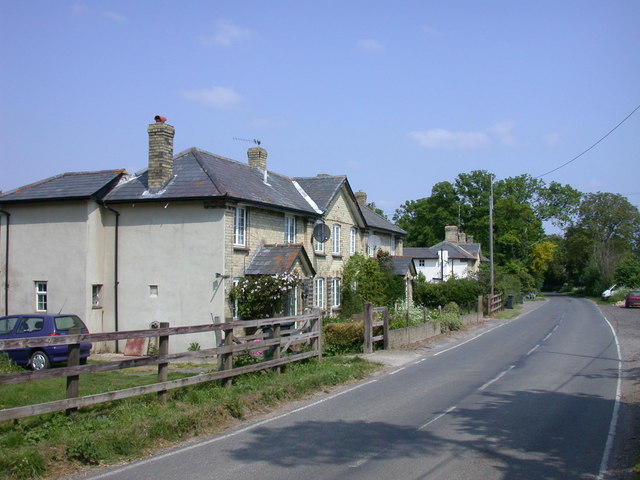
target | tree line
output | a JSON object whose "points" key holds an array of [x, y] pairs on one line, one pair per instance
{"points": [[599, 244]]}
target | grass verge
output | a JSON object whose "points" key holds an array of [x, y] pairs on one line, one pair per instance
{"points": [[53, 445]]}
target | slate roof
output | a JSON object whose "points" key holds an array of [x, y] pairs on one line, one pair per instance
{"points": [[200, 175], [420, 252], [463, 251], [378, 222], [402, 265], [66, 186], [278, 259], [322, 189]]}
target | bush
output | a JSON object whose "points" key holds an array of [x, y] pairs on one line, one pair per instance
{"points": [[463, 291], [341, 338]]}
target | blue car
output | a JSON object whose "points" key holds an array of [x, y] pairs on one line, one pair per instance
{"points": [[41, 325]]}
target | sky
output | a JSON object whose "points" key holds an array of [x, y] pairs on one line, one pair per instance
{"points": [[398, 96]]}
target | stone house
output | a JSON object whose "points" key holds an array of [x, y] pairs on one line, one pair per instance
{"points": [[457, 256], [126, 251]]}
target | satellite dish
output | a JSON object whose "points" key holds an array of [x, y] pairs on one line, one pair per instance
{"points": [[321, 232], [373, 242]]}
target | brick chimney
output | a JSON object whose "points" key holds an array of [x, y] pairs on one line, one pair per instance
{"points": [[160, 153], [257, 157], [451, 233], [361, 197]]}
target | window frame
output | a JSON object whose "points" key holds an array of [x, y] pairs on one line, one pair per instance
{"points": [[240, 227], [336, 299], [289, 229], [353, 235], [42, 295], [319, 292], [96, 295], [335, 241]]}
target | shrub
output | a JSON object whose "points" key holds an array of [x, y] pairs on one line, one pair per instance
{"points": [[340, 338]]}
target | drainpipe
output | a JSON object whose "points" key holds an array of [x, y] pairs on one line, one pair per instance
{"points": [[115, 270], [6, 266]]}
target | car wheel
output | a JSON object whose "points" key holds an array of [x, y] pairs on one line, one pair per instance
{"points": [[39, 360]]}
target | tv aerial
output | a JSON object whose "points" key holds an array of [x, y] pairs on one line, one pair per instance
{"points": [[255, 140]]}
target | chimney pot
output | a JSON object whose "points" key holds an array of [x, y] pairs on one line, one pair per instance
{"points": [[160, 119]]}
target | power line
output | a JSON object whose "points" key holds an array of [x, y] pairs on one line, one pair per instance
{"points": [[592, 146]]}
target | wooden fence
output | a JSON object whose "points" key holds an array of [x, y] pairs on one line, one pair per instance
{"points": [[370, 323], [269, 336], [494, 304]]}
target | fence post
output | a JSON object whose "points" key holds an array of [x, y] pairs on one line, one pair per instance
{"points": [[227, 358], [163, 368], [385, 328], [316, 327], [276, 348], [368, 327], [73, 381], [479, 308]]}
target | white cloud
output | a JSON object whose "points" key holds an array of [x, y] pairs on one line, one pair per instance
{"points": [[439, 138], [552, 139], [226, 34], [503, 131], [370, 45], [216, 97], [115, 16]]}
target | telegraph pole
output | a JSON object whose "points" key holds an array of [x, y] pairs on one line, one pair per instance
{"points": [[491, 236]]}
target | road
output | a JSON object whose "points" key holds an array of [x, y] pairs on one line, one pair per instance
{"points": [[532, 398]]}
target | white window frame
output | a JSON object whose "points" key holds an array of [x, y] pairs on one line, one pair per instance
{"points": [[318, 246], [319, 292], [352, 240], [41, 296], [289, 229], [335, 290], [234, 313], [240, 226], [421, 262], [335, 241], [392, 245]]}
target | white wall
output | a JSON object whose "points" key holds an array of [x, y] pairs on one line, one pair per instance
{"points": [[179, 249]]}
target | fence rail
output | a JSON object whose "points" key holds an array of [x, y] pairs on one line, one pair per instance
{"points": [[494, 303], [269, 337]]}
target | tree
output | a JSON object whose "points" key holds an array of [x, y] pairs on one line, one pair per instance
{"points": [[628, 272], [610, 227]]}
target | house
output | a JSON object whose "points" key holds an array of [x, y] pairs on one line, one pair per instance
{"points": [[457, 256], [127, 251]]}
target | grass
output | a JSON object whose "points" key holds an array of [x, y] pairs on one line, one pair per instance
{"points": [[54, 445]]}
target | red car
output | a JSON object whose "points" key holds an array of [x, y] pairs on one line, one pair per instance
{"points": [[632, 299]]}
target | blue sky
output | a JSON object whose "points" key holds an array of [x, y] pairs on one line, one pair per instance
{"points": [[396, 95]]}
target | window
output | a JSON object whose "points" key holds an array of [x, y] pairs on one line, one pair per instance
{"points": [[335, 243], [392, 246], [234, 307], [153, 290], [96, 296], [41, 296], [291, 303], [289, 229], [318, 246], [319, 293], [335, 292], [239, 226], [421, 263], [352, 240]]}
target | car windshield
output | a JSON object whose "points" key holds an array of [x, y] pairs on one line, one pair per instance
{"points": [[634, 293], [7, 324], [68, 322]]}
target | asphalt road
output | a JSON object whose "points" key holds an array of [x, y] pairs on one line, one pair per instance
{"points": [[528, 399]]}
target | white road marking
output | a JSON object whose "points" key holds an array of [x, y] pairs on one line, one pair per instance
{"points": [[497, 377], [435, 419]]}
